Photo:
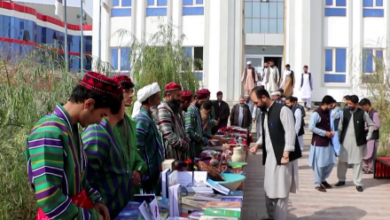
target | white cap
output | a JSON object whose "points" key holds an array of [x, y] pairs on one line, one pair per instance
{"points": [[275, 93], [248, 63]]}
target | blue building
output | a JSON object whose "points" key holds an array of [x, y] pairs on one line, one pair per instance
{"points": [[23, 28]]}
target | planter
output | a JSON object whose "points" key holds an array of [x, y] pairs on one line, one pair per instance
{"points": [[382, 168]]}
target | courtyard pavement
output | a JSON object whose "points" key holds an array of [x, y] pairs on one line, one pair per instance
{"points": [[343, 203]]}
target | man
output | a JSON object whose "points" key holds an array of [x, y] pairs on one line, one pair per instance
{"points": [[222, 112], [287, 81], [276, 96], [108, 169], [353, 139], [193, 125], [299, 121], [262, 75], [306, 87], [335, 114], [124, 132], [280, 151], [345, 101], [272, 77], [171, 124], [186, 100], [55, 175], [204, 114], [372, 144], [149, 142], [322, 156], [241, 115], [249, 77]]}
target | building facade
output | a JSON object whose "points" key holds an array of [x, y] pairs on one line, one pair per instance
{"points": [[23, 29], [338, 39]]}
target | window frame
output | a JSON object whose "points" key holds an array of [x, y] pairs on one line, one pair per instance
{"points": [[265, 20], [120, 5], [119, 61], [193, 63], [374, 5]]}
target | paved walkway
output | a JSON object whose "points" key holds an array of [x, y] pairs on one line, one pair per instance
{"points": [[343, 203]]}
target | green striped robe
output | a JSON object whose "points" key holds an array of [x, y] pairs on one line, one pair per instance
{"points": [[57, 166], [109, 169], [124, 133], [193, 125], [150, 147]]}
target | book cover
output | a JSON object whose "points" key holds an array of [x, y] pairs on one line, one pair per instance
{"points": [[145, 211], [196, 214], [154, 209], [164, 182], [207, 197], [148, 198], [222, 212], [218, 187], [227, 199], [207, 217], [216, 204], [130, 212], [236, 193]]}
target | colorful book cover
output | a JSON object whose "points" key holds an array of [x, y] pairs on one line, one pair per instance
{"points": [[196, 214], [236, 193], [222, 212], [130, 212], [227, 199], [223, 205], [218, 187]]}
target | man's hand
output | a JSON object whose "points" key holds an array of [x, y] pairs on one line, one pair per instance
{"points": [[284, 160], [136, 178], [253, 119], [102, 211], [254, 149], [366, 128], [329, 134]]}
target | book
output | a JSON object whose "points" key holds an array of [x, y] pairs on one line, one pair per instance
{"points": [[154, 209], [222, 212], [227, 199], [148, 198], [174, 200], [218, 187], [145, 211], [168, 164], [164, 182], [173, 178], [207, 197], [216, 204], [205, 190], [207, 217], [130, 212], [188, 200], [195, 215], [236, 193]]}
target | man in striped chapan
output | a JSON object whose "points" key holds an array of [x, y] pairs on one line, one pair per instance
{"points": [[109, 169], [124, 133], [193, 124], [56, 161], [171, 125], [149, 141]]}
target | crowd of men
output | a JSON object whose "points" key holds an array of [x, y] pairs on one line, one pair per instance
{"points": [[95, 173]]}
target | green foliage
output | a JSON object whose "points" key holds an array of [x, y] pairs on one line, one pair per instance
{"points": [[378, 88], [164, 63]]}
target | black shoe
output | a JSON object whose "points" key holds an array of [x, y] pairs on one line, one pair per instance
{"points": [[326, 185], [320, 188], [340, 183], [359, 188]]}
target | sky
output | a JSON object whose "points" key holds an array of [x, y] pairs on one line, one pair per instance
{"points": [[73, 3]]}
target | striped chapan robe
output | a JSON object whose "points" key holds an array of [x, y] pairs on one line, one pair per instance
{"points": [[108, 168], [151, 149], [193, 124], [173, 132], [56, 166]]}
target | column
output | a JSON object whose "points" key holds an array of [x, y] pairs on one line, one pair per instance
{"points": [[238, 50], [140, 15], [357, 42], [229, 77], [296, 39], [206, 48], [314, 49], [177, 17]]}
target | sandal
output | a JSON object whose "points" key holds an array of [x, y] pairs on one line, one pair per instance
{"points": [[320, 188]]}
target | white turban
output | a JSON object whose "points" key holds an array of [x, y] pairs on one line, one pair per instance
{"points": [[143, 94], [248, 63], [276, 93]]}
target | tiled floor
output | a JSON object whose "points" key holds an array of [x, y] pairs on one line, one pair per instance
{"points": [[343, 203]]}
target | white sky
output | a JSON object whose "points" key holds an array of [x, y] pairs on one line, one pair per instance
{"points": [[73, 3]]}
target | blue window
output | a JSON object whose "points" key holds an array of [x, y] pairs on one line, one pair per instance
{"points": [[125, 58], [114, 58], [335, 65], [368, 3], [115, 3], [156, 8], [120, 12], [126, 3], [193, 7], [335, 8], [161, 2], [371, 59], [373, 8], [150, 2]]}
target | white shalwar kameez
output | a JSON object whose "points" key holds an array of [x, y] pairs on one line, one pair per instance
{"points": [[306, 90], [280, 180], [272, 79]]}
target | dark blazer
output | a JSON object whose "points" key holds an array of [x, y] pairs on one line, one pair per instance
{"points": [[222, 112], [247, 119]]}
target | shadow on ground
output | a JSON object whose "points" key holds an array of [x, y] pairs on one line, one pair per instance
{"points": [[339, 213]]}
